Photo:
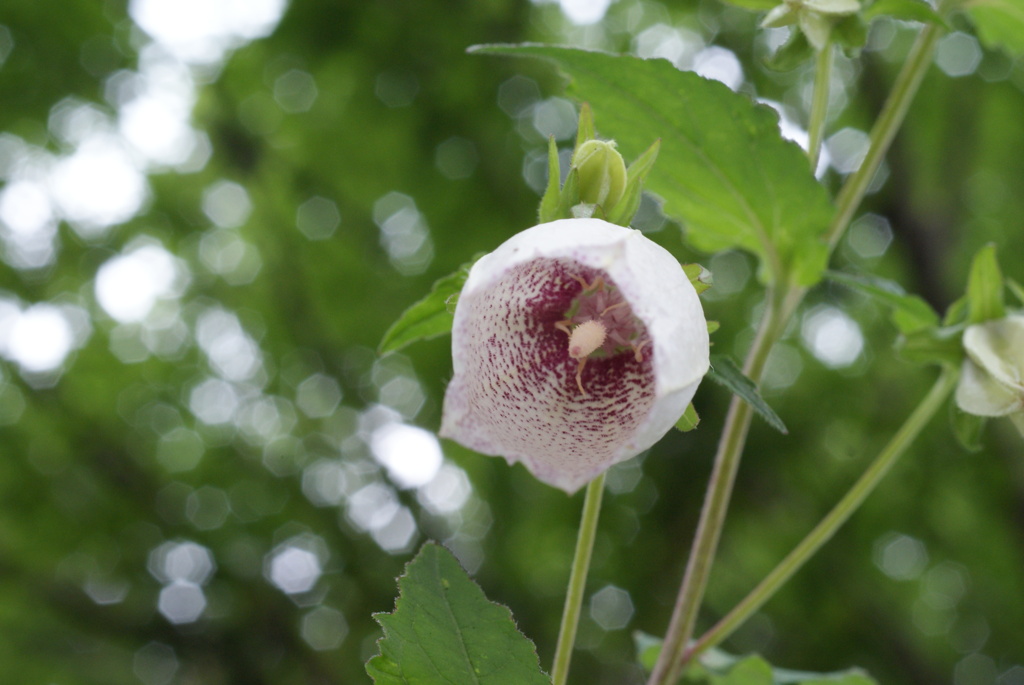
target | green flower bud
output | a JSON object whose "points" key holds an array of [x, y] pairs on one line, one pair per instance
{"points": [[602, 173]]}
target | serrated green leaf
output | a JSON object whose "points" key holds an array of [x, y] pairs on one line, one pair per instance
{"points": [[430, 317], [1000, 23], [689, 420], [725, 372], [909, 312], [725, 171], [444, 630], [907, 10], [985, 287]]}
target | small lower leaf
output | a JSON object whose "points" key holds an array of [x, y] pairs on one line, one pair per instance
{"points": [[689, 420], [700, 278], [430, 317], [725, 372], [444, 630], [715, 667]]}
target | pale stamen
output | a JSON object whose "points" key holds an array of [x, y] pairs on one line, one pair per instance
{"points": [[586, 338], [589, 330]]}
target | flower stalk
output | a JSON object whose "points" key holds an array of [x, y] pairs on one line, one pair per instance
{"points": [[716, 503], [889, 120], [577, 580], [819, 103]]}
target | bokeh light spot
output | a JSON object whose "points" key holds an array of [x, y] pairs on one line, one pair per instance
{"points": [[227, 204], [318, 218], [611, 608], [180, 449], [324, 628], [847, 149], [98, 186], [155, 664], [456, 158], [129, 285], [181, 561], [719, 64], [832, 337], [201, 31], [397, 88], [900, 557], [584, 12], [958, 54], [295, 91], [411, 455], [318, 396], [39, 339], [181, 602], [404, 233], [294, 570], [870, 236], [447, 492]]}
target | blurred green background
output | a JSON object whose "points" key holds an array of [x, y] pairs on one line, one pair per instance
{"points": [[211, 211]]}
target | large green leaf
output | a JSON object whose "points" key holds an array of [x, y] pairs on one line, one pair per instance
{"points": [[724, 170], [1000, 23], [444, 630]]}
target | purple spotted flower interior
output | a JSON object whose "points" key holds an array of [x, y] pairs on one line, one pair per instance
{"points": [[525, 402]]}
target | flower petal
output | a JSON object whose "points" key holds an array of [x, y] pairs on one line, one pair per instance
{"points": [[816, 28], [980, 394], [997, 346], [780, 15], [514, 393], [833, 6]]}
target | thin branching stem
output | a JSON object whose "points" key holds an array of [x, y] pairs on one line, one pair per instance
{"points": [[828, 526], [782, 303]]}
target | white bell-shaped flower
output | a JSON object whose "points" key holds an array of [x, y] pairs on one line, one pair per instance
{"points": [[577, 344], [992, 377]]}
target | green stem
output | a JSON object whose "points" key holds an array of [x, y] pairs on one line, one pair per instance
{"points": [[819, 104], [781, 307], [577, 580], [835, 518], [716, 503], [884, 130]]}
